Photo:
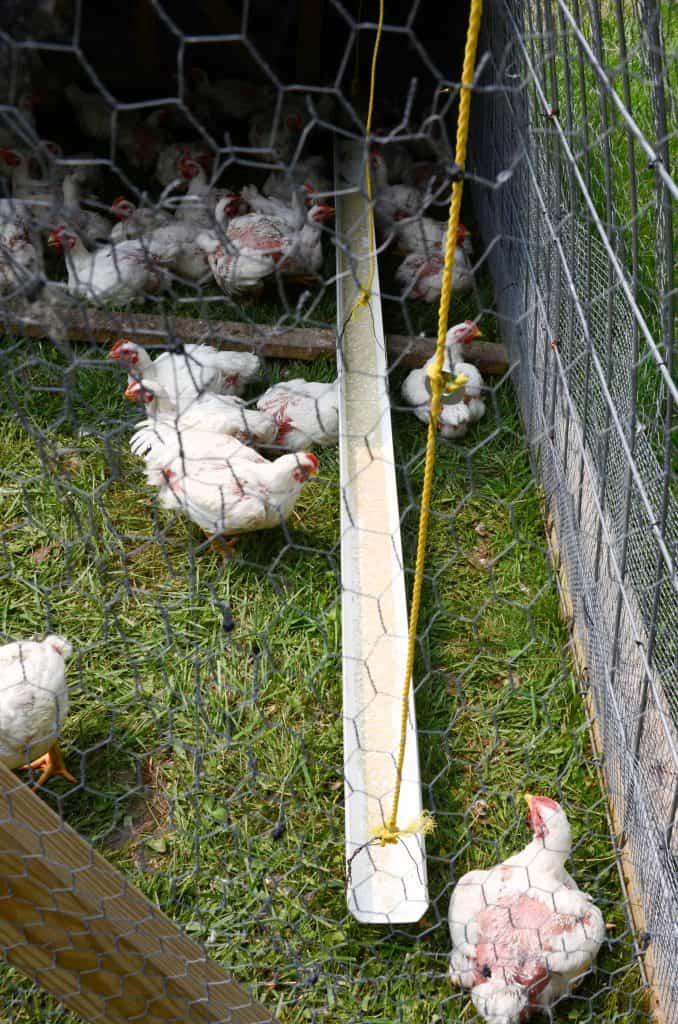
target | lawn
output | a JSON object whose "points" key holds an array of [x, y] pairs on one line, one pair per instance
{"points": [[205, 726]]}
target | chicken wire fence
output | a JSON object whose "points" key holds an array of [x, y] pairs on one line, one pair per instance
{"points": [[207, 733]]}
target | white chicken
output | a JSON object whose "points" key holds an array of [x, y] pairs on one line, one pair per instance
{"points": [[34, 705], [161, 441], [200, 202], [18, 258], [308, 174], [178, 248], [218, 414], [306, 413], [91, 226], [462, 404], [167, 166], [523, 933], [37, 194], [134, 221], [237, 272], [116, 273], [298, 248], [421, 275], [397, 202], [231, 496], [292, 214], [190, 371]]}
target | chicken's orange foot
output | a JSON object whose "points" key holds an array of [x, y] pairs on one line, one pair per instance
{"points": [[222, 547], [51, 763]]}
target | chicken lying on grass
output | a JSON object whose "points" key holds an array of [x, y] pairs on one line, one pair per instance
{"points": [[462, 404], [33, 705], [523, 933], [305, 412]]}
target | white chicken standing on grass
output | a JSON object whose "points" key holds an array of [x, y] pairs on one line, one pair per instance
{"points": [[523, 933], [306, 413], [190, 371], [231, 495], [462, 404], [34, 705]]}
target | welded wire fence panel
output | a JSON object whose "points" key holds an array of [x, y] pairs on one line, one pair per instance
{"points": [[186, 534], [590, 268]]}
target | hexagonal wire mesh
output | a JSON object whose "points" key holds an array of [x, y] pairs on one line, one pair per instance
{"points": [[204, 728]]}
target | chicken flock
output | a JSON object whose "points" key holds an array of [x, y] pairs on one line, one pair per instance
{"points": [[523, 934], [201, 229]]}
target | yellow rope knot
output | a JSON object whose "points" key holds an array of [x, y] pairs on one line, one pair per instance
{"points": [[362, 300], [389, 833], [443, 382]]}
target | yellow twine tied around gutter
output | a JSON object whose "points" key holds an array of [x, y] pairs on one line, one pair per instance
{"points": [[366, 290], [390, 833]]}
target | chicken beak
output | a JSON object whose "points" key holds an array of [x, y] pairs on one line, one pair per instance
{"points": [[528, 797], [132, 391]]}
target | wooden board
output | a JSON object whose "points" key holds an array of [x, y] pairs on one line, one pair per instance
{"points": [[93, 325], [386, 884], [80, 930]]}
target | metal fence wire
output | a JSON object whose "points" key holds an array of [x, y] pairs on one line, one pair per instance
{"points": [[208, 610]]}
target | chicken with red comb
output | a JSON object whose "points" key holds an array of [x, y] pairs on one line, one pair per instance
{"points": [[523, 933], [228, 495]]}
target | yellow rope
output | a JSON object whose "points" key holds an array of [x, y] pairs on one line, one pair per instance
{"points": [[390, 832], [366, 290]]}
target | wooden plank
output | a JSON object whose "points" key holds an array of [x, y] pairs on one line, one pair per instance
{"points": [[94, 325], [632, 887], [80, 930], [386, 884]]}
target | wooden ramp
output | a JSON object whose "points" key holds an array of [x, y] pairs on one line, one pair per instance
{"points": [[386, 884]]}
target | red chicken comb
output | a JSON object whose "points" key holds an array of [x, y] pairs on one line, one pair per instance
{"points": [[118, 349]]}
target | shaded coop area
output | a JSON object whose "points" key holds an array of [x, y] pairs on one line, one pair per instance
{"points": [[205, 729]]}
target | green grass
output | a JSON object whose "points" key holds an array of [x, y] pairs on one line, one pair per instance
{"points": [[211, 761]]}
